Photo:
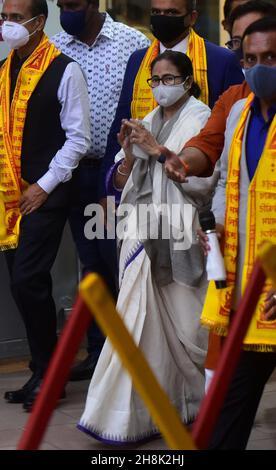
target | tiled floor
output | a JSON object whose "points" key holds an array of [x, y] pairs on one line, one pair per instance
{"points": [[62, 432]]}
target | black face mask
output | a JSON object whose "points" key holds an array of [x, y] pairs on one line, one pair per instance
{"points": [[168, 28]]}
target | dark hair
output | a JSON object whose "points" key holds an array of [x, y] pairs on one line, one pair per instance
{"points": [[191, 5], [227, 8], [264, 25], [95, 2], [183, 64], [39, 7], [135, 13], [254, 6]]}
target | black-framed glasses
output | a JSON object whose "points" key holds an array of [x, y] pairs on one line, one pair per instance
{"points": [[234, 43], [169, 12], [168, 80]]}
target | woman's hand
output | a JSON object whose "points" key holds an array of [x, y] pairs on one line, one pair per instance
{"points": [[203, 238], [139, 135], [270, 306], [124, 140]]}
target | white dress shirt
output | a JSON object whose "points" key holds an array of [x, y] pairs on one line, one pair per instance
{"points": [[182, 46], [103, 64], [75, 121]]}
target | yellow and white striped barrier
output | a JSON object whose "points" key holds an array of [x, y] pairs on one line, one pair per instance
{"points": [[96, 296]]}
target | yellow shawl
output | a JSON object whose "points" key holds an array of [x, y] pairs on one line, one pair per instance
{"points": [[12, 120], [143, 101], [261, 226]]}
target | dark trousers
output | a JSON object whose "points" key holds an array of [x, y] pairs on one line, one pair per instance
{"points": [[31, 284], [237, 416], [95, 255]]}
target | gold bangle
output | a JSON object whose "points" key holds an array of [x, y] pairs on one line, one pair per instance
{"points": [[124, 163], [120, 172]]}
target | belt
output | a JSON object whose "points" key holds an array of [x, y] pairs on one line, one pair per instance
{"points": [[91, 161]]}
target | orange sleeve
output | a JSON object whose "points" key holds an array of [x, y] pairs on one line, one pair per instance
{"points": [[214, 351], [211, 138]]}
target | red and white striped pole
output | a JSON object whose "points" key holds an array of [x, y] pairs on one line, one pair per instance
{"points": [[56, 376]]}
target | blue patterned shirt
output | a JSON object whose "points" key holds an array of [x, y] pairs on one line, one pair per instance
{"points": [[104, 65]]}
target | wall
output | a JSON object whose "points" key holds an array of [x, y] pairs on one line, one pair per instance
{"points": [[52, 26]]}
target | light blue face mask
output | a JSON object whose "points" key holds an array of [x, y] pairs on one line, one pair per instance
{"points": [[262, 80]]}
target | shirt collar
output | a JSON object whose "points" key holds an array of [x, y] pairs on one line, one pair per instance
{"points": [[107, 31], [182, 46], [108, 27], [256, 108], [17, 61]]}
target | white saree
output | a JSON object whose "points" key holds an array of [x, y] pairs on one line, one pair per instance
{"points": [[164, 321]]}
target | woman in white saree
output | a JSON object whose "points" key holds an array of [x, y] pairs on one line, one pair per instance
{"points": [[162, 288]]}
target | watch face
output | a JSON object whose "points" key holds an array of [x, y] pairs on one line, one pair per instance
{"points": [[162, 158]]}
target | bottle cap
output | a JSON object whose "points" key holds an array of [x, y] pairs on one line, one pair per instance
{"points": [[221, 284]]}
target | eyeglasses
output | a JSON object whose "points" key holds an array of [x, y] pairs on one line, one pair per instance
{"points": [[234, 43], [14, 18], [17, 19], [168, 80], [169, 12]]}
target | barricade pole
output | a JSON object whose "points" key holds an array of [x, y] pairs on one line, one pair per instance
{"points": [[213, 402], [56, 376], [163, 413]]}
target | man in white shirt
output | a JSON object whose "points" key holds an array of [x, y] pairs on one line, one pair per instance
{"points": [[44, 132], [102, 48]]}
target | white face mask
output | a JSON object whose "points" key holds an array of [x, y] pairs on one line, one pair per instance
{"points": [[16, 35], [167, 95]]}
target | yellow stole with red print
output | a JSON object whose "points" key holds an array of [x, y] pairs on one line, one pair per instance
{"points": [[260, 227], [12, 121], [143, 101]]}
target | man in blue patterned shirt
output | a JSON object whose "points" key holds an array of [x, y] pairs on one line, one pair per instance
{"points": [[102, 48]]}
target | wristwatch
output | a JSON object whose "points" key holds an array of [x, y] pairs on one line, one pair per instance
{"points": [[162, 158]]}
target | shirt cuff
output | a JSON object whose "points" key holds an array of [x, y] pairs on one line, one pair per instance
{"points": [[49, 181], [219, 217]]}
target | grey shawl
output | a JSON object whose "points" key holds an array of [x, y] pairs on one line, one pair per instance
{"points": [[167, 264]]}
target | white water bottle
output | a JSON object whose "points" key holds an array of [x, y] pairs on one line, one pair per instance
{"points": [[215, 262]]}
